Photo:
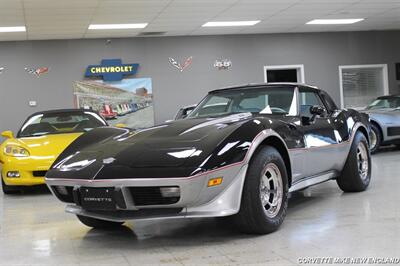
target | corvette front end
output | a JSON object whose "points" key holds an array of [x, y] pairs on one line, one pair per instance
{"points": [[26, 157], [207, 194], [24, 172], [25, 161]]}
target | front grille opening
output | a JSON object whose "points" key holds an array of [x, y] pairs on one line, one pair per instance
{"points": [[39, 173], [63, 193], [143, 196]]}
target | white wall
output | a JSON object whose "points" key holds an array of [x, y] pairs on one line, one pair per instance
{"points": [[320, 53]]}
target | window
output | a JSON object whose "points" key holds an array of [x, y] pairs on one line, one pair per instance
{"points": [[361, 84], [284, 73], [307, 100], [330, 104], [263, 100], [61, 122], [254, 104], [216, 104], [385, 103]]}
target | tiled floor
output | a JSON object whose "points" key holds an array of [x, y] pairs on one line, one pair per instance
{"points": [[321, 221]]}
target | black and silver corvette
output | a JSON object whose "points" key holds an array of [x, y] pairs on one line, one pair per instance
{"points": [[238, 154]]}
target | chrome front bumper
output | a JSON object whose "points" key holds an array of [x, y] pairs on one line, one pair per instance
{"points": [[196, 198]]}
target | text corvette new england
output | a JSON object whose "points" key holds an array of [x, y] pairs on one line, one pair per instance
{"points": [[238, 153]]}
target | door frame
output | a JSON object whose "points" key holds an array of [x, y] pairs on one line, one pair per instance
{"points": [[385, 77], [299, 68]]}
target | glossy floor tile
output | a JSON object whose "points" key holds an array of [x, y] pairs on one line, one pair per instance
{"points": [[321, 221]]}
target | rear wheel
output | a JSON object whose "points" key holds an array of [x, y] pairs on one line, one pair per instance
{"points": [[375, 138], [356, 173], [8, 189], [265, 194], [97, 223]]}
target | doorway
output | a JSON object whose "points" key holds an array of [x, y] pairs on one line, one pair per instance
{"points": [[284, 73]]}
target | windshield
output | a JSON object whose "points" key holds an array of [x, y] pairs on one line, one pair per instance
{"points": [[273, 100], [59, 123], [384, 103]]}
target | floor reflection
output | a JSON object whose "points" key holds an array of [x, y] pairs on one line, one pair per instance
{"points": [[320, 221]]}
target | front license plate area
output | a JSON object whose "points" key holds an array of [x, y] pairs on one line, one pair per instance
{"points": [[98, 199]]}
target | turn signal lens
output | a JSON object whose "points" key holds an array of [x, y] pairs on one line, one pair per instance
{"points": [[16, 151], [214, 181]]}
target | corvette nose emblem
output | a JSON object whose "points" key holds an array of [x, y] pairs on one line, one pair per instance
{"points": [[108, 160]]}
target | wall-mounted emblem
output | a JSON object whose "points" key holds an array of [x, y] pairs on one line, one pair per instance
{"points": [[1, 70], [179, 66], [223, 64], [111, 70], [37, 71]]}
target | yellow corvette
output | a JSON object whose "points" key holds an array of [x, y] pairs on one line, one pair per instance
{"points": [[26, 158]]}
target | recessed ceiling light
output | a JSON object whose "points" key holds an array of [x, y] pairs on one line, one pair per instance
{"points": [[230, 23], [13, 29], [117, 26], [334, 21]]}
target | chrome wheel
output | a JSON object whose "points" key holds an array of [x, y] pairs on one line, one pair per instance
{"points": [[362, 160], [373, 138], [271, 190]]}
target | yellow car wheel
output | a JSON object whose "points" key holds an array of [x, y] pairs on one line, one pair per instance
{"points": [[8, 189]]}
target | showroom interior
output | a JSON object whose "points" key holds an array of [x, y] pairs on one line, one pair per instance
{"points": [[133, 64]]}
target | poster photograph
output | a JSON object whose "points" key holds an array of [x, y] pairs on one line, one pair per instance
{"points": [[128, 102]]}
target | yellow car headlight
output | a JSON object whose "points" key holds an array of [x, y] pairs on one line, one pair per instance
{"points": [[16, 151]]}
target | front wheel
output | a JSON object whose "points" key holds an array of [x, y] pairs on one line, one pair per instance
{"points": [[97, 223], [375, 137], [265, 194], [356, 174]]}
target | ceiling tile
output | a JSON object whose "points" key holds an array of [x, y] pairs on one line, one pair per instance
{"points": [[32, 4], [70, 18]]}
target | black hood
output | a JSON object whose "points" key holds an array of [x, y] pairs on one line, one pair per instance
{"points": [[184, 143]]}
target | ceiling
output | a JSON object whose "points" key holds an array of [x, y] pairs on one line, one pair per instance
{"points": [[69, 19]]}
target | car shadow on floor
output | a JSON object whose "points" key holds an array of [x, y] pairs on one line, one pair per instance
{"points": [[157, 236], [387, 150], [183, 232], [30, 191]]}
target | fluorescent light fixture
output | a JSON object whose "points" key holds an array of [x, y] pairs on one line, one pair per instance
{"points": [[334, 21], [230, 23], [13, 29], [117, 26]]}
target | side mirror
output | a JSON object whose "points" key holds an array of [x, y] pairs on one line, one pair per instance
{"points": [[7, 134], [317, 110], [120, 125]]}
